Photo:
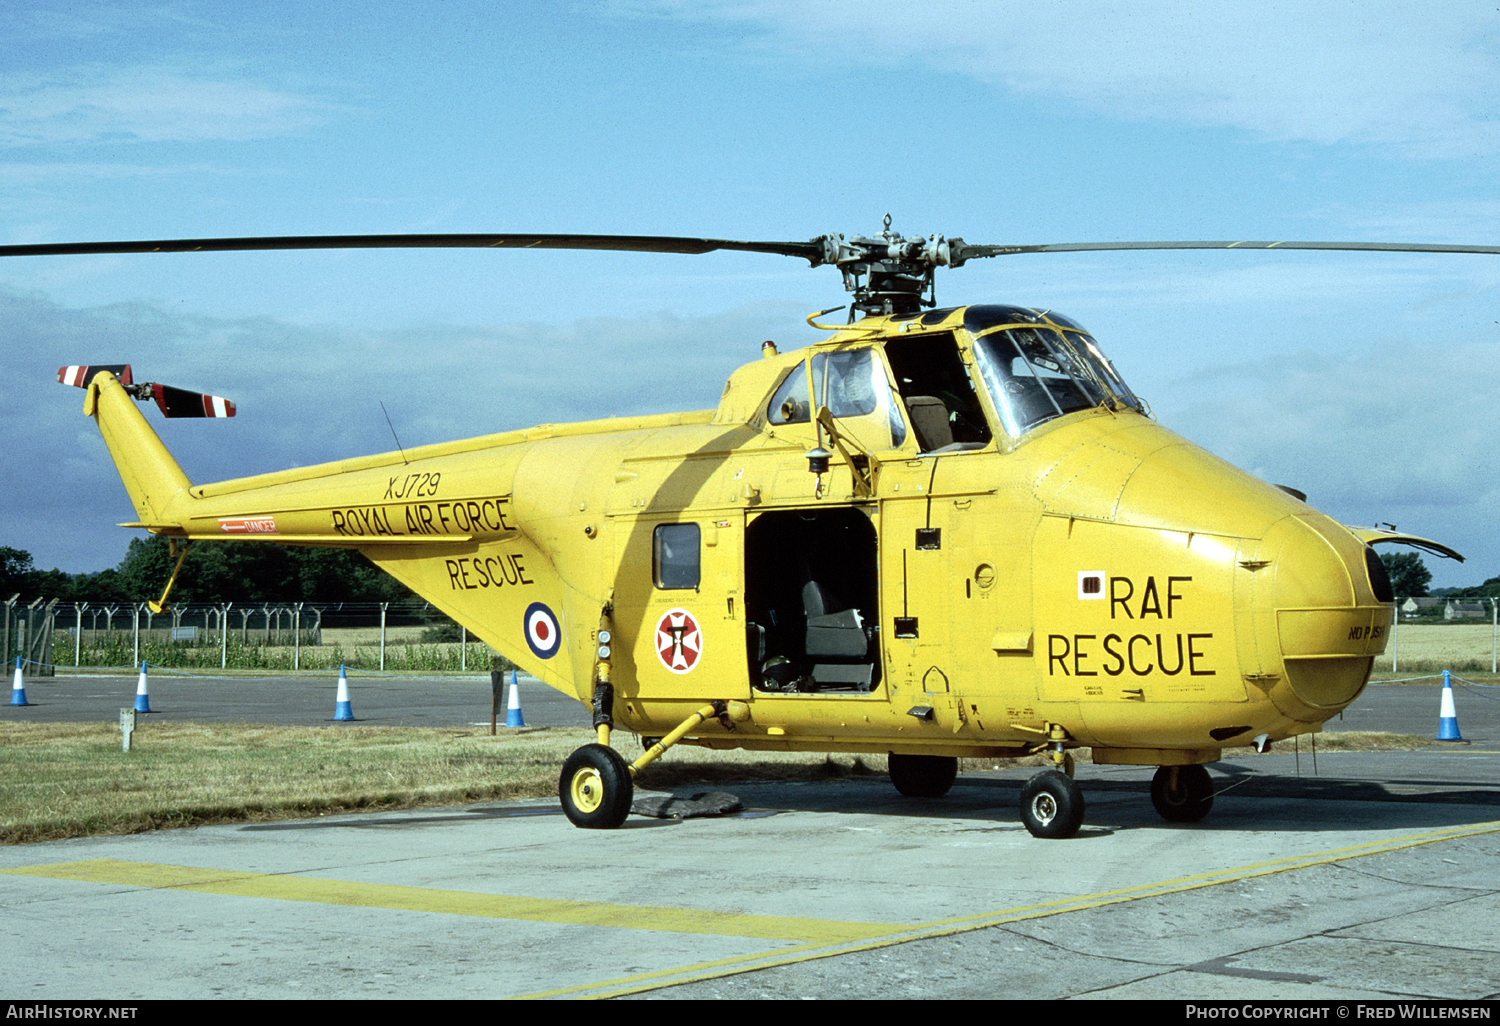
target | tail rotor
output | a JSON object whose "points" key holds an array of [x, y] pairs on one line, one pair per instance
{"points": [[172, 401]]}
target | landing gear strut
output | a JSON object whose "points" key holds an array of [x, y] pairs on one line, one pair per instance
{"points": [[597, 785], [1051, 804]]}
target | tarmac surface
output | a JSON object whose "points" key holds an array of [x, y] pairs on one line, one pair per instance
{"points": [[1356, 878]]}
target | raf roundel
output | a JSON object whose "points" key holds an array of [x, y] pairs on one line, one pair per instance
{"points": [[542, 632]]}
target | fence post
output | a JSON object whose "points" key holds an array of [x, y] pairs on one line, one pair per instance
{"points": [[224, 636], [29, 633], [78, 608], [1395, 646], [49, 623], [9, 608], [297, 637], [383, 606]]}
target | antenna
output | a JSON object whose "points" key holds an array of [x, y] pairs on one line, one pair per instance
{"points": [[404, 460]]}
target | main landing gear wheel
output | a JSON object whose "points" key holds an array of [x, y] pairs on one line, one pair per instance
{"points": [[923, 776], [1051, 805], [595, 788], [1185, 799]]}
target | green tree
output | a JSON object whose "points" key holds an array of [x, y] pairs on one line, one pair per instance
{"points": [[15, 572], [255, 572], [1409, 577], [213, 572]]}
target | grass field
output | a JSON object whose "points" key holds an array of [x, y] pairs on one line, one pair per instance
{"points": [[1440, 646], [62, 780]]}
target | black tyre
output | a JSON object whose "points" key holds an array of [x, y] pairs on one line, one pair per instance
{"points": [[923, 776], [1051, 805], [1185, 800], [596, 788]]}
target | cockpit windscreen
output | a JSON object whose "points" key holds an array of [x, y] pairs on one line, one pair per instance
{"points": [[1036, 373]]}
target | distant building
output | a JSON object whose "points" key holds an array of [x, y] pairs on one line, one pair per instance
{"points": [[1422, 606], [1465, 609]]}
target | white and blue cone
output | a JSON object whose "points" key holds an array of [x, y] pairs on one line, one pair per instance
{"points": [[18, 690], [1447, 714], [341, 708], [142, 698], [513, 717]]}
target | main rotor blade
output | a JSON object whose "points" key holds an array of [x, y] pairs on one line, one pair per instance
{"points": [[969, 252], [812, 251]]}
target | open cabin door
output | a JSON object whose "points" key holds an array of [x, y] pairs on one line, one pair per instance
{"points": [[812, 601]]}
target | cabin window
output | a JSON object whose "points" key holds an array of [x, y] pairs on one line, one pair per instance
{"points": [[675, 556]]}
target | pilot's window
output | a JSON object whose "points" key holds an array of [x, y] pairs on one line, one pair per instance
{"points": [[845, 382], [790, 404], [853, 385], [675, 556], [940, 399]]}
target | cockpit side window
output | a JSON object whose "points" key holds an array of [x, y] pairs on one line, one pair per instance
{"points": [[940, 399], [852, 383], [790, 404]]}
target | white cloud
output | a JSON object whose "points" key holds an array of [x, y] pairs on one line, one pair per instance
{"points": [[312, 395], [1394, 432], [1413, 77], [149, 103]]}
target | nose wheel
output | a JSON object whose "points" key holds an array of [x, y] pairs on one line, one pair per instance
{"points": [[1051, 805]]}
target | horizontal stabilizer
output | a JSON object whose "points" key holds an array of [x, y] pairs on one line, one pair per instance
{"points": [[81, 376]]}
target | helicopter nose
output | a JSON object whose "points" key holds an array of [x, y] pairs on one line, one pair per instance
{"points": [[1320, 616]]}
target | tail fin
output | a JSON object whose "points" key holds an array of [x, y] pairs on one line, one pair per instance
{"points": [[156, 484]]}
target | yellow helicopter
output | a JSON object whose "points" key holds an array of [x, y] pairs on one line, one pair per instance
{"points": [[935, 533]]}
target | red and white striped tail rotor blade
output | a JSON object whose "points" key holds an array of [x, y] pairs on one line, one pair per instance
{"points": [[179, 402], [80, 375]]}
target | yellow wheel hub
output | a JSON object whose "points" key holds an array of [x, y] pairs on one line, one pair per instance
{"points": [[588, 790]]}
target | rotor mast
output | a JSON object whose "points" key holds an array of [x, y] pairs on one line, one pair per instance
{"points": [[888, 274]]}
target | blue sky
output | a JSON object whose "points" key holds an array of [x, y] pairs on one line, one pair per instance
{"points": [[1367, 380]]}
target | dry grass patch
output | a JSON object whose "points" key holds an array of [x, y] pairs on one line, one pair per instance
{"points": [[1351, 741], [70, 780]]}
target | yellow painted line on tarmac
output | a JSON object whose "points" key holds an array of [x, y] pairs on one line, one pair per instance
{"points": [[943, 928], [810, 938], [463, 903]]}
